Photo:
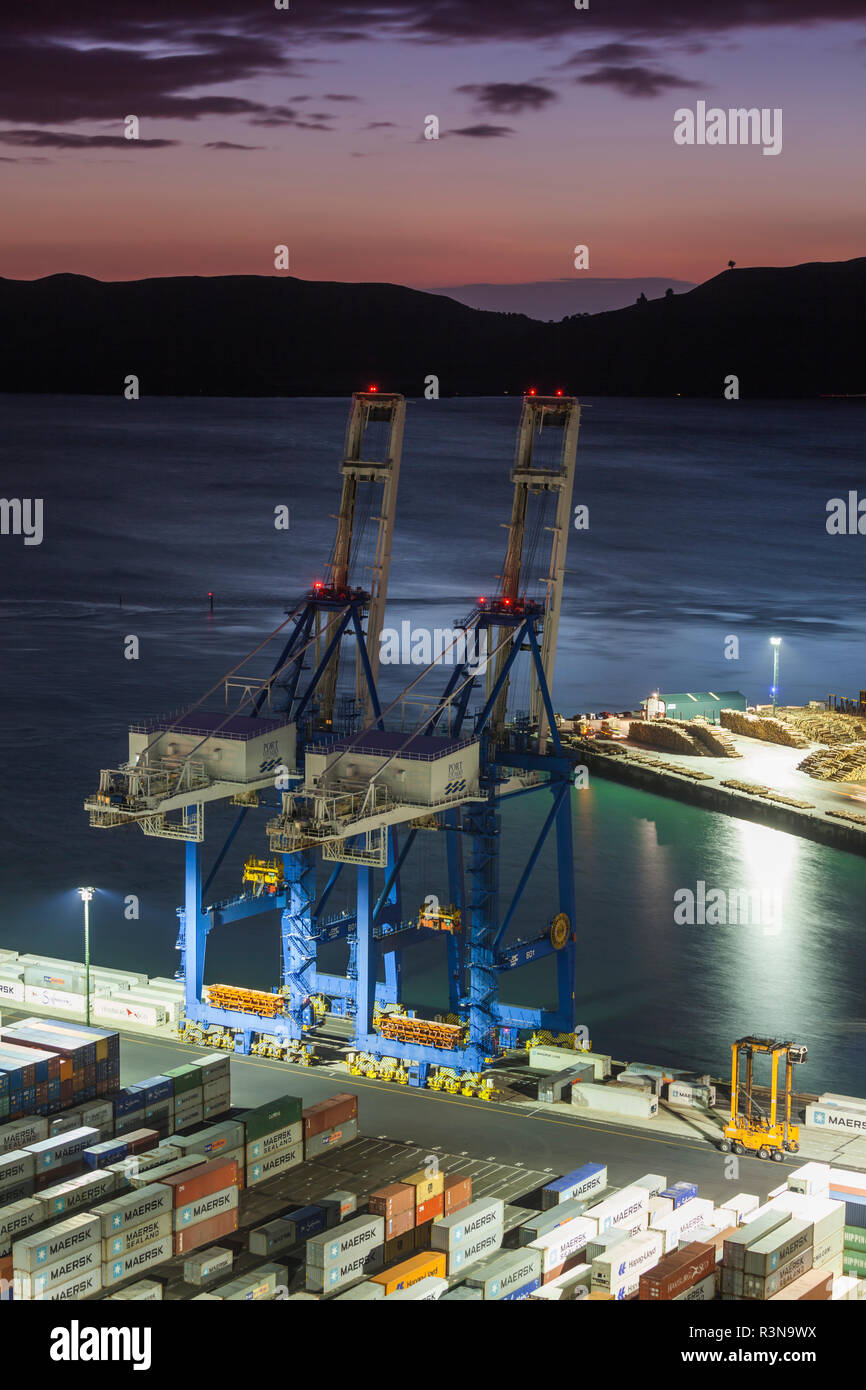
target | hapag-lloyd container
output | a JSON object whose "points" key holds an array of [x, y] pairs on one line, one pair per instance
{"points": [[329, 1139], [425, 1291], [505, 1275], [613, 1211], [618, 1271], [676, 1273], [424, 1265], [134, 1237], [136, 1261], [588, 1181], [363, 1233], [462, 1228], [48, 1246]]}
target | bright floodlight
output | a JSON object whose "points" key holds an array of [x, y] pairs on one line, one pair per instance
{"points": [[775, 641], [85, 894]]}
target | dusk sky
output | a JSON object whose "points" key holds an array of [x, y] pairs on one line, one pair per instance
{"points": [[305, 126]]}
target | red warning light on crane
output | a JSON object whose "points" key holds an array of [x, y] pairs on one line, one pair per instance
{"points": [[559, 393], [374, 388], [531, 391]]}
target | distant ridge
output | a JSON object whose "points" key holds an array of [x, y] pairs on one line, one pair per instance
{"points": [[789, 332], [554, 299]]}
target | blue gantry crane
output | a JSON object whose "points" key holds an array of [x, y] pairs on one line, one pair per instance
{"points": [[346, 793]]}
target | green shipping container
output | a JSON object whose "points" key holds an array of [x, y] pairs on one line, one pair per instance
{"points": [[854, 1262], [265, 1119], [186, 1078], [855, 1237]]}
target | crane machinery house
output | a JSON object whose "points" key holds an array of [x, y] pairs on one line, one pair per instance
{"points": [[412, 770]]}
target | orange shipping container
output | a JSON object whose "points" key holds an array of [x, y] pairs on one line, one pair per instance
{"points": [[327, 1114], [412, 1271], [429, 1210], [815, 1286], [393, 1200], [425, 1186], [398, 1225], [192, 1184], [458, 1193]]}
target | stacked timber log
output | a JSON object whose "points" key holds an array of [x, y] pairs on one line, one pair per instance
{"points": [[825, 726], [715, 739], [839, 764], [764, 727], [674, 735]]}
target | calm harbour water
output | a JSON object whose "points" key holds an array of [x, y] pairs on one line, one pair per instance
{"points": [[706, 520]]}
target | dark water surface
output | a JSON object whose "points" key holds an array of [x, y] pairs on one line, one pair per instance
{"points": [[706, 521]]}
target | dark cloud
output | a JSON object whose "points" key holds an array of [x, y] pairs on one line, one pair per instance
{"points": [[509, 98], [380, 125], [340, 96], [609, 53], [636, 81], [229, 145], [288, 116], [66, 140], [483, 132]]}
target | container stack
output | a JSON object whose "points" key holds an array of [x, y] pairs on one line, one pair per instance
{"points": [[89, 1058], [157, 1093], [225, 1140], [587, 1181], [508, 1276], [136, 1232], [273, 1139], [60, 1262], [204, 1203], [330, 1123], [469, 1234], [429, 1203], [216, 1084], [30, 1081], [187, 1101], [342, 1256], [396, 1205], [848, 1188], [686, 1274]]}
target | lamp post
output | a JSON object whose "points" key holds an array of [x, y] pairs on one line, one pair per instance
{"points": [[85, 895], [775, 643]]}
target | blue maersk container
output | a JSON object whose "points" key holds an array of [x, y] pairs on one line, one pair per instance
{"points": [[523, 1292], [573, 1185]]}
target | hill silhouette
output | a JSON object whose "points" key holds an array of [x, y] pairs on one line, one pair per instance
{"points": [[792, 331]]}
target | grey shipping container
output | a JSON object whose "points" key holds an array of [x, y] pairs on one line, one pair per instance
{"points": [[358, 1264], [206, 1264], [274, 1164], [778, 1247], [736, 1245], [462, 1293], [462, 1228], [506, 1274], [134, 1261], [756, 1286], [134, 1237], [48, 1246], [353, 1237], [477, 1248], [72, 1266], [365, 1292], [17, 1218], [543, 1222], [133, 1207], [19, 1134], [272, 1237], [331, 1139], [17, 1166], [339, 1206]]}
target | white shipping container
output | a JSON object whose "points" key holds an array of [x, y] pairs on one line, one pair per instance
{"points": [[16, 1218], [46, 1248], [133, 1207], [688, 1217], [275, 1142], [477, 1248], [80, 1287], [206, 1264], [170, 1006], [833, 1119], [613, 1211], [842, 1102], [653, 1182], [743, 1204], [618, 1271], [144, 1015], [569, 1286], [812, 1179], [62, 999], [170, 986], [75, 1265], [20, 1134], [11, 990], [145, 1291], [553, 1059], [134, 1261], [563, 1245], [613, 1099], [260, 1285], [826, 1216], [465, 1226]]}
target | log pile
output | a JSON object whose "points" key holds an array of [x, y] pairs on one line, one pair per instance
{"points": [[825, 726], [765, 792], [764, 727], [839, 764], [715, 739], [673, 735]]}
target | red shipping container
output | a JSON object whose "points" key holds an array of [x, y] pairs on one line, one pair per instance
{"points": [[192, 1184], [140, 1140], [458, 1193], [6, 1268], [203, 1232], [429, 1210], [398, 1225], [394, 1200], [327, 1114], [678, 1271]]}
